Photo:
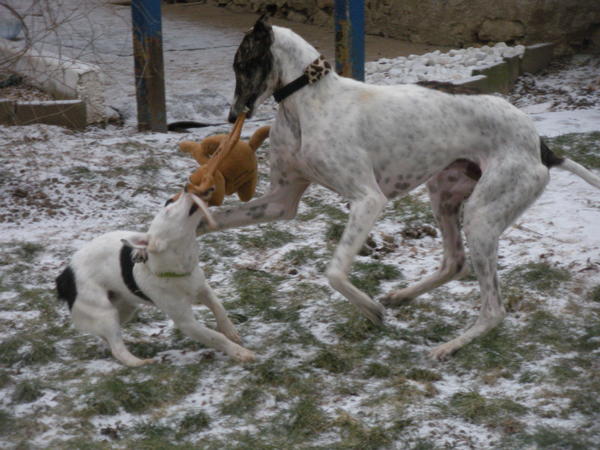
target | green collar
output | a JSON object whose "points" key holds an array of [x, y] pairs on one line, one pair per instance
{"points": [[172, 274]]}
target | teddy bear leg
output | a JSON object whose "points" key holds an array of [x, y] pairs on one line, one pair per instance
{"points": [[246, 190]]}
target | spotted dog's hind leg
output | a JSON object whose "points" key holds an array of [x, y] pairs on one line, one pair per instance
{"points": [[363, 214], [447, 191], [505, 190]]}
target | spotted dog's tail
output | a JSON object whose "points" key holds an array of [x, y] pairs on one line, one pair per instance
{"points": [[550, 159]]}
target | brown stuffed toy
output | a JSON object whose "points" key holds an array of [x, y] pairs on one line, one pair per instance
{"points": [[237, 170]]}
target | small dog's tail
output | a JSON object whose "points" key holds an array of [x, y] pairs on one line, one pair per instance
{"points": [[550, 159], [66, 287], [259, 137]]}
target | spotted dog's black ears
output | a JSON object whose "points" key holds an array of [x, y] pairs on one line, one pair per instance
{"points": [[270, 11]]}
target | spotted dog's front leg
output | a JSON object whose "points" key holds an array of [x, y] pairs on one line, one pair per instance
{"points": [[363, 214], [279, 204]]}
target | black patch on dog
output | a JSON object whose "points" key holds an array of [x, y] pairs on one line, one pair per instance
{"points": [[549, 158], [252, 65], [126, 262], [66, 287]]}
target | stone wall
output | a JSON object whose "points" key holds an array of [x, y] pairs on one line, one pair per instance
{"points": [[571, 24]]}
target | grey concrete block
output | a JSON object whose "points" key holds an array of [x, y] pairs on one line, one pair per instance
{"points": [[499, 77], [64, 113], [62, 77], [7, 112], [536, 57]]}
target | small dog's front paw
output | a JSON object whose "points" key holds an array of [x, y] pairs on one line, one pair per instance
{"points": [[443, 352], [244, 355], [136, 362], [396, 298], [232, 334]]}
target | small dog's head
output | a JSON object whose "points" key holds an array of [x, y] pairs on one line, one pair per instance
{"points": [[178, 220], [253, 65]]}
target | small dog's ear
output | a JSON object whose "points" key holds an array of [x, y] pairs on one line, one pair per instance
{"points": [[139, 246], [136, 242]]}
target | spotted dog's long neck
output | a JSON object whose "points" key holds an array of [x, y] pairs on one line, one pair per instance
{"points": [[291, 54]]}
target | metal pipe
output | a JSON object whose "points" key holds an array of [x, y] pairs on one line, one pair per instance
{"points": [[148, 62], [349, 17]]}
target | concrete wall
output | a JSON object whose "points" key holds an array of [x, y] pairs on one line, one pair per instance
{"points": [[61, 77], [571, 24]]}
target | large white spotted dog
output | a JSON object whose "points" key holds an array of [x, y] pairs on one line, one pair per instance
{"points": [[478, 154]]}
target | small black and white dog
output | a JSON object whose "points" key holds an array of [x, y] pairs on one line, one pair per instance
{"points": [[113, 274]]}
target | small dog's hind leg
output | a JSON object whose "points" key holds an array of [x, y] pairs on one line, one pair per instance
{"points": [[363, 214], [101, 318], [505, 190], [447, 191]]}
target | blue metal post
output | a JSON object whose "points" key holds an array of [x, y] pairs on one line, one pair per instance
{"points": [[149, 68], [349, 18]]}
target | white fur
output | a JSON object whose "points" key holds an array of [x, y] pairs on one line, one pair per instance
{"points": [[104, 301]]}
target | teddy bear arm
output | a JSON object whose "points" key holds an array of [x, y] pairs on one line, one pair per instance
{"points": [[218, 195], [210, 144]]}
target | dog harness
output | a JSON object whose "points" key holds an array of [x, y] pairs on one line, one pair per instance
{"points": [[127, 263], [313, 73]]}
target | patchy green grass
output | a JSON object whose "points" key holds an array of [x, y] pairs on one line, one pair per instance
{"points": [[27, 349], [319, 208], [305, 418], [594, 294], [484, 410], [110, 394], [325, 378], [538, 276], [257, 290], [500, 350], [368, 276], [27, 391], [246, 402], [551, 438], [581, 147], [193, 422], [270, 237], [355, 434], [300, 256]]}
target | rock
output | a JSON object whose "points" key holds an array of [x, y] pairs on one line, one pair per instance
{"points": [[501, 30], [459, 23]]}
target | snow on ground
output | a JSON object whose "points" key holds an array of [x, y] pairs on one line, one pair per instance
{"points": [[60, 188], [454, 65]]}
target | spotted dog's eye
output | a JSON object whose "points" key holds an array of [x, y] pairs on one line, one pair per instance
{"points": [[168, 202]]}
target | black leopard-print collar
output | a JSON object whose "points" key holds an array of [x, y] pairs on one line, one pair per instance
{"points": [[313, 73]]}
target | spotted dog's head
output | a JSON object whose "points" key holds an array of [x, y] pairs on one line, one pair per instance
{"points": [[253, 66]]}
